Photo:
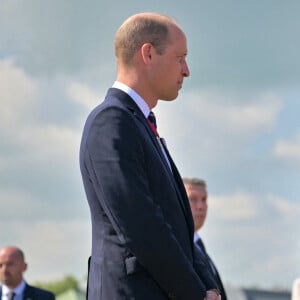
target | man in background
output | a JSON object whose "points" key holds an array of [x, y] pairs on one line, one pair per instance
{"points": [[197, 194], [14, 287]]}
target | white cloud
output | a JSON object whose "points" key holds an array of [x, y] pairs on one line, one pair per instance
{"points": [[83, 95], [288, 149], [256, 230], [47, 140], [18, 92], [29, 138], [286, 209], [43, 146], [235, 114], [238, 206], [52, 248], [51, 141], [19, 204], [232, 115], [245, 117], [215, 128], [248, 206]]}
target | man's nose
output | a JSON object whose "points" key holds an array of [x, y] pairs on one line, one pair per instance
{"points": [[200, 205], [186, 71]]}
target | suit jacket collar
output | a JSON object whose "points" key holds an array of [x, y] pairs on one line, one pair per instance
{"points": [[141, 103], [28, 292], [129, 103], [125, 99]]}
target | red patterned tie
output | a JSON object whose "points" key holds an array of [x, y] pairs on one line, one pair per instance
{"points": [[152, 122]]}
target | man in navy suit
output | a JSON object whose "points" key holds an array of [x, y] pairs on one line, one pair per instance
{"points": [[142, 226], [197, 194], [14, 287]]}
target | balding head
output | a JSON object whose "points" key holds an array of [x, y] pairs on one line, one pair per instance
{"points": [[140, 29], [12, 266], [13, 251]]}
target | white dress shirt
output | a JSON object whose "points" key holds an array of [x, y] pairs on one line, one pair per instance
{"points": [[19, 290], [140, 102]]}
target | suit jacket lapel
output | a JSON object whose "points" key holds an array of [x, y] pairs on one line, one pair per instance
{"points": [[182, 196], [174, 175], [212, 266], [27, 294]]}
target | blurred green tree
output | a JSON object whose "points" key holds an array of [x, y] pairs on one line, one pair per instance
{"points": [[59, 286]]}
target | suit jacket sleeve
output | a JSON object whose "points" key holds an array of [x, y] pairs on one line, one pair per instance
{"points": [[119, 166]]}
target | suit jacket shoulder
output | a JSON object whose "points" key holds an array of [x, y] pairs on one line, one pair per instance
{"points": [[34, 293]]}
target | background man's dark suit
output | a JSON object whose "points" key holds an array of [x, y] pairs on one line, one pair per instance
{"points": [[214, 271], [33, 293], [142, 227]]}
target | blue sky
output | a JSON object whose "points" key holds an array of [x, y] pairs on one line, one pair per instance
{"points": [[235, 124]]}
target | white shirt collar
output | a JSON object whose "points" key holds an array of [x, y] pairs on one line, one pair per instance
{"points": [[140, 102], [18, 290], [196, 237]]}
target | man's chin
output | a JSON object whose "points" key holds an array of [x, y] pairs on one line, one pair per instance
{"points": [[200, 224], [170, 97], [6, 281]]}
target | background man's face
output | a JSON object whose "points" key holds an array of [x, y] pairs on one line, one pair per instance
{"points": [[12, 267], [198, 201]]}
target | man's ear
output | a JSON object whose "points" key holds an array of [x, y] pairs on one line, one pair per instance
{"points": [[24, 266], [147, 52]]}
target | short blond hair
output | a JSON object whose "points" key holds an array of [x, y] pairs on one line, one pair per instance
{"points": [[139, 29], [194, 181]]}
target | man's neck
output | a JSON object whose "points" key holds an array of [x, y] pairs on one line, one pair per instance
{"points": [[17, 286]]}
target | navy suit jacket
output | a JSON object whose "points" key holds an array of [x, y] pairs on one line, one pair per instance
{"points": [[34, 293], [142, 227]]}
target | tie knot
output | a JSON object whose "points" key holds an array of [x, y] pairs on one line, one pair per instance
{"points": [[152, 122], [152, 118], [11, 295]]}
